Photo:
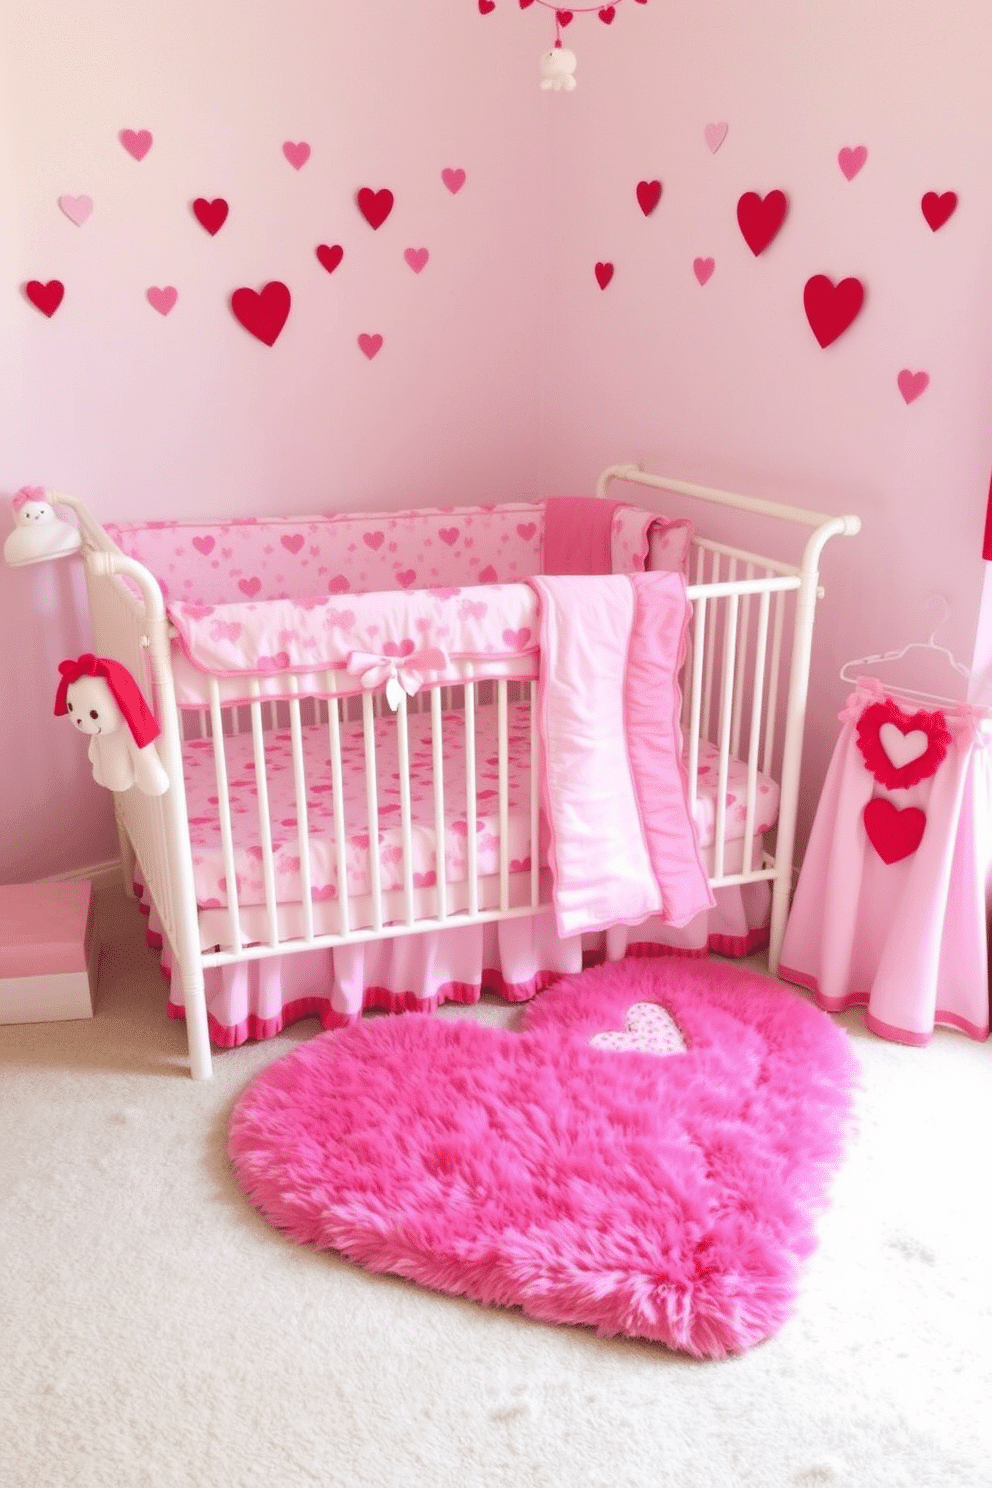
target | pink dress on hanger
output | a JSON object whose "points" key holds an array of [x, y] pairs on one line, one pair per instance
{"points": [[891, 909]]}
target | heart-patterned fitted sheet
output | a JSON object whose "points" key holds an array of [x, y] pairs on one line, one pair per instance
{"points": [[204, 820]]}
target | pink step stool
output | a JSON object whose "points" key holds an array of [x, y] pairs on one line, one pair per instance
{"points": [[48, 955]]}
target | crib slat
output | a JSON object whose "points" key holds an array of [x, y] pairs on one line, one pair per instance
{"points": [[698, 646], [503, 753], [472, 841], [372, 802], [761, 644], [440, 828], [535, 800], [264, 818], [735, 732], [337, 797], [224, 808], [771, 710], [302, 819], [710, 649], [729, 652], [403, 752]]}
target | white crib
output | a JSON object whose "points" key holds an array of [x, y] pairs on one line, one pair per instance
{"points": [[744, 703]]}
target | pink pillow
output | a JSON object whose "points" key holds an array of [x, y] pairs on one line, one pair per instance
{"points": [[669, 539]]}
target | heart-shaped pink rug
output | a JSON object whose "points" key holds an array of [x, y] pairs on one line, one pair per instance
{"points": [[630, 1184]]}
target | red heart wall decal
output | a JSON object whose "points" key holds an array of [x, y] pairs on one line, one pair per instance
{"points": [[831, 308], [894, 834], [936, 209], [329, 256], [604, 273], [263, 312], [375, 206], [648, 196], [211, 215], [760, 217], [45, 297]]}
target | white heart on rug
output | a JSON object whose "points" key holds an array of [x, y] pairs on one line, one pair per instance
{"points": [[902, 749], [650, 1030]]}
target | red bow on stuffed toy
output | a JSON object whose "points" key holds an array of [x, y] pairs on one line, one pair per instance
{"points": [[127, 694]]}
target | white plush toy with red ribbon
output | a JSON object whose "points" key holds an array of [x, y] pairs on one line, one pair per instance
{"points": [[38, 532], [104, 701]]}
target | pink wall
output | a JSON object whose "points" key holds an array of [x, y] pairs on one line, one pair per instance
{"points": [[505, 370]]}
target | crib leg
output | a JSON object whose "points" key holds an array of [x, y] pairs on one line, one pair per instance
{"points": [[616, 942], [127, 859], [197, 1031], [781, 888]]}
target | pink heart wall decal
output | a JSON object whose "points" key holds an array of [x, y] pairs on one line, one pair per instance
{"points": [[162, 299], [912, 384], [453, 178], [832, 308], [263, 312], [375, 206], [329, 256], [667, 1198], [703, 268], [370, 346], [714, 135], [604, 273], [297, 153], [851, 160], [45, 297], [76, 208], [416, 258], [137, 142]]}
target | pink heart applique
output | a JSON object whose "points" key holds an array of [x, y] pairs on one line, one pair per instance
{"points": [[416, 258], [448, 535], [425, 880], [703, 268], [714, 135], [526, 530], [912, 384], [76, 208], [852, 160], [293, 543], [297, 153], [339, 584], [649, 1029], [406, 577], [399, 648], [454, 179], [344, 619], [373, 540], [370, 345], [517, 639], [137, 142], [204, 545], [250, 587], [488, 575], [162, 298]]}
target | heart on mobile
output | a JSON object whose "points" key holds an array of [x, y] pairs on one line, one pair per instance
{"points": [[894, 834], [851, 160], [370, 346], [703, 268], [604, 273], [760, 217], [648, 196], [564, 17], [453, 179], [936, 209], [137, 142], [912, 384], [714, 135], [607, 14], [329, 256], [76, 208], [162, 299], [211, 215], [375, 206], [297, 153], [831, 308], [262, 312], [660, 1192], [416, 258], [485, 6], [45, 297]]}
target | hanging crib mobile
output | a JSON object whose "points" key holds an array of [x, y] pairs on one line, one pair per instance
{"points": [[558, 63]]}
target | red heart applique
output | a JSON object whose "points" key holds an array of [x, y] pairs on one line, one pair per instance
{"points": [[894, 834], [564, 17], [830, 307], [45, 297], [262, 312], [648, 196], [760, 217], [604, 273], [936, 209], [898, 748], [211, 215], [375, 206], [329, 256]]}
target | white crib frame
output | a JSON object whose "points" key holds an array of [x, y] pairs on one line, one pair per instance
{"points": [[155, 830]]}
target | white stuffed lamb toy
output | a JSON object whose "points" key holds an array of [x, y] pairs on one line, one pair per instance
{"points": [[558, 69], [39, 533], [104, 701]]}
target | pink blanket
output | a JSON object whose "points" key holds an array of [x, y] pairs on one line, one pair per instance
{"points": [[623, 845]]}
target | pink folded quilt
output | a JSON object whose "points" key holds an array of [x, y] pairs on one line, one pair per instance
{"points": [[623, 844]]}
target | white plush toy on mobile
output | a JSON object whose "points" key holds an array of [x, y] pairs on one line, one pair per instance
{"points": [[104, 701], [558, 70], [39, 533]]}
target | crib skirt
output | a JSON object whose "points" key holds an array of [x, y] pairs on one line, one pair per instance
{"points": [[514, 958]]}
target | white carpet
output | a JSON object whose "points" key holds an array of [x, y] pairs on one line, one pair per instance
{"points": [[155, 1331]]}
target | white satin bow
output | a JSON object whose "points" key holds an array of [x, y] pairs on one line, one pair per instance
{"points": [[401, 674]]}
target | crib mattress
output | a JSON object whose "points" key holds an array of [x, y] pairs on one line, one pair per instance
{"points": [[204, 819]]}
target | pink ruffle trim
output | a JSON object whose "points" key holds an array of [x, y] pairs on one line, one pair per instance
{"points": [[889, 1031]]}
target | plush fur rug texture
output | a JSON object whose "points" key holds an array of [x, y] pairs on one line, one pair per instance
{"points": [[629, 1183]]}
